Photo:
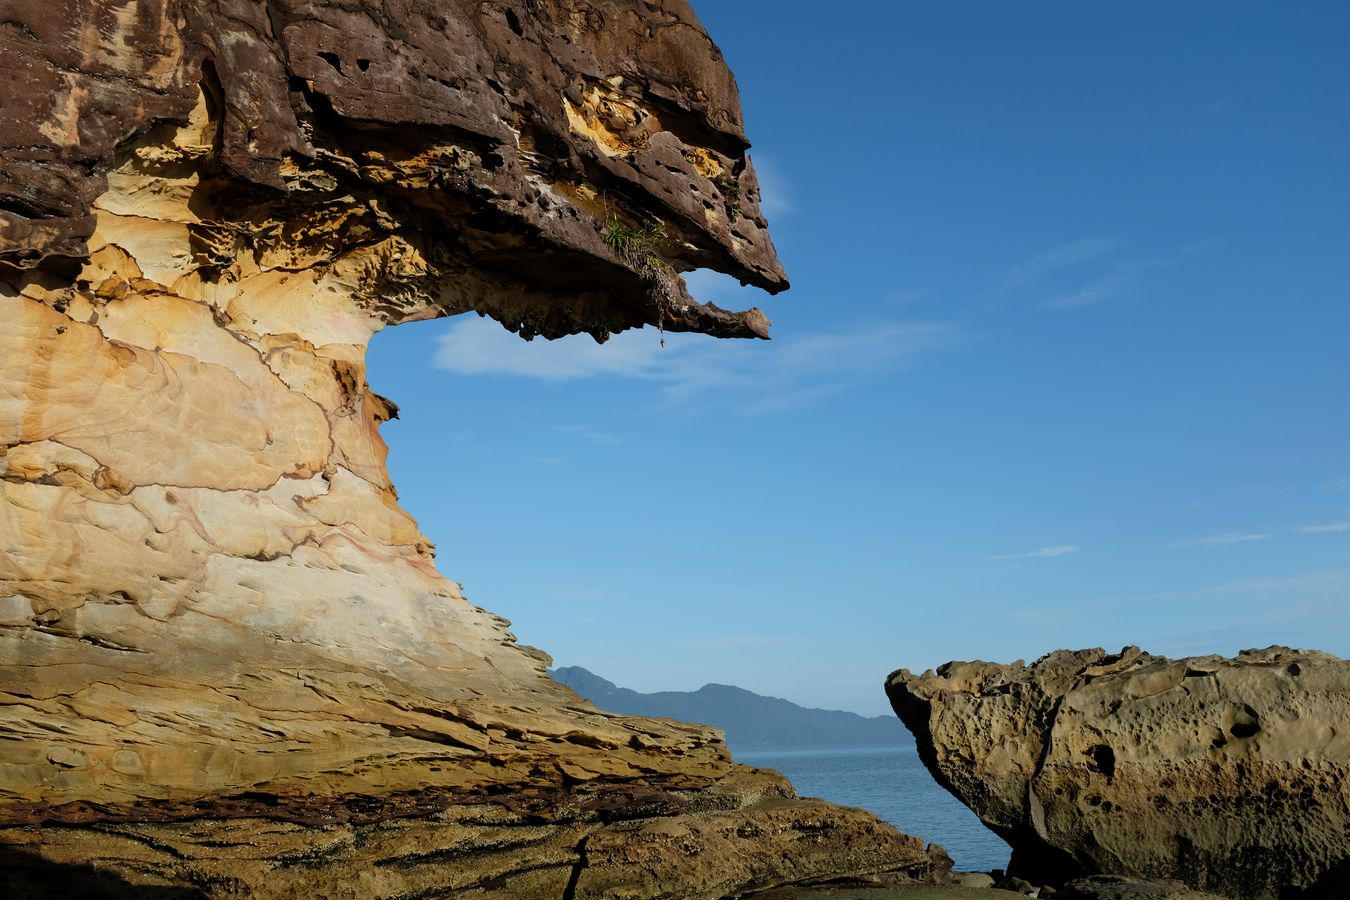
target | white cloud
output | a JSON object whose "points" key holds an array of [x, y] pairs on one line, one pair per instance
{"points": [[1071, 254], [1218, 540], [753, 377], [1042, 553], [1330, 528]]}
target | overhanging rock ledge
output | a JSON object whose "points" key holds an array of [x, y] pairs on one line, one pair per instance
{"points": [[228, 664]]}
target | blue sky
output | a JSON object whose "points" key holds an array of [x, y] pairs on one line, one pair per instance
{"points": [[1066, 362]]}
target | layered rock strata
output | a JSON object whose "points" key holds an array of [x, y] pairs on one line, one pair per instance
{"points": [[1229, 775], [228, 664]]}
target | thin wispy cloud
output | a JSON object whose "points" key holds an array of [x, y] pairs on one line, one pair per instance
{"points": [[478, 346], [750, 376], [801, 370], [1329, 528], [1064, 256], [1202, 244], [1300, 609], [1113, 277], [1056, 617], [709, 284], [587, 433], [1042, 553], [775, 195], [1119, 279], [1110, 285], [1218, 540], [730, 642], [901, 297], [1273, 585], [589, 593], [1046, 552]]}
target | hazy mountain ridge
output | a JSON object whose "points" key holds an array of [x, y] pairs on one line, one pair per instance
{"points": [[749, 719]]}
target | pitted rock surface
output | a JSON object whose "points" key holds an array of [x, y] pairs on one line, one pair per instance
{"points": [[1229, 775], [228, 663]]}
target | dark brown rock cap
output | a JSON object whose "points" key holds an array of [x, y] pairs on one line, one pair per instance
{"points": [[571, 147]]}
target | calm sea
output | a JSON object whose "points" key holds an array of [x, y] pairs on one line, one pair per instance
{"points": [[892, 783]]}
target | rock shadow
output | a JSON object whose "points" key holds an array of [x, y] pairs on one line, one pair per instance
{"points": [[1333, 885], [27, 876]]}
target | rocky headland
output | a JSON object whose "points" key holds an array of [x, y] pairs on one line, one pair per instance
{"points": [[1226, 775], [228, 663]]}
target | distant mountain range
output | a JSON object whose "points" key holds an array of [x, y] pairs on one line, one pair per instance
{"points": [[750, 720]]}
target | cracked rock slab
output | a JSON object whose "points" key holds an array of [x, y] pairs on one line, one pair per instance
{"points": [[1229, 775]]}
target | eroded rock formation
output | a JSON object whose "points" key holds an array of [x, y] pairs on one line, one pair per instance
{"points": [[1229, 775], [227, 661]]}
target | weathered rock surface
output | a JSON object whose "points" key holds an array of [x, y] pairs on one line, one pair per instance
{"points": [[467, 152], [484, 850], [228, 664], [1229, 775]]}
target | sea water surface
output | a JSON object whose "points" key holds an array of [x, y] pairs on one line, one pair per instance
{"points": [[892, 783]]}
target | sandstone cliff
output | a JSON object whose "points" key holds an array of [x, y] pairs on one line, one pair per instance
{"points": [[1227, 774], [227, 660]]}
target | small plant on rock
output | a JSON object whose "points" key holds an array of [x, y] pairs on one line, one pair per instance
{"points": [[640, 247], [731, 191]]}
